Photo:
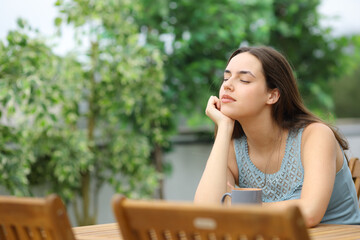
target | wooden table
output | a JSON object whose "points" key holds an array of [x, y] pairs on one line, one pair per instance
{"points": [[332, 232], [110, 231]]}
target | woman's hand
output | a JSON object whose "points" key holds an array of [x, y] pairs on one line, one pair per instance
{"points": [[212, 185], [213, 111]]}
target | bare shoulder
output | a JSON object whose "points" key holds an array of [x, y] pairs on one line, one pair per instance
{"points": [[318, 130], [318, 142]]}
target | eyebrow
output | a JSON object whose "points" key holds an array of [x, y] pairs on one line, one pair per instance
{"points": [[242, 72]]}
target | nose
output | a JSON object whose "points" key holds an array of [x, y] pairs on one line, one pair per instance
{"points": [[227, 85]]}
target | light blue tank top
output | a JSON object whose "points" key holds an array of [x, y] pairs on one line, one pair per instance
{"points": [[287, 183]]}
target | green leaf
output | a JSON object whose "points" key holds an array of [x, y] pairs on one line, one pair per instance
{"points": [[58, 21]]}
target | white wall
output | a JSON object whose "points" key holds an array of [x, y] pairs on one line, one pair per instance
{"points": [[188, 162], [350, 128]]}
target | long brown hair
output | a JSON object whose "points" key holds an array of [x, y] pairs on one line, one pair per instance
{"points": [[289, 111]]}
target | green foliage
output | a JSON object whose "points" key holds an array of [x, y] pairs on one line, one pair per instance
{"points": [[37, 144], [95, 113], [317, 56], [345, 89], [24, 64], [205, 32], [346, 94], [125, 112], [15, 159]]}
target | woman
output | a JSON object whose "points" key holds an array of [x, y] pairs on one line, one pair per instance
{"points": [[266, 138]]}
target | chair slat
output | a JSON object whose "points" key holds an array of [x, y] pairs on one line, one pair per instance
{"points": [[357, 186], [49, 234], [142, 235], [10, 232], [171, 235], [36, 233], [22, 233], [354, 165], [356, 169], [2, 232]]}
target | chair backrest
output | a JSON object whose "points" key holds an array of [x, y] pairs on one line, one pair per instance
{"points": [[34, 219], [354, 165], [160, 220]]}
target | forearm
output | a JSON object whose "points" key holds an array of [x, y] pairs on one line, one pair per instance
{"points": [[311, 215], [213, 181]]}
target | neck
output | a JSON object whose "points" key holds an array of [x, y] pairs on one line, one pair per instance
{"points": [[263, 134], [266, 145]]}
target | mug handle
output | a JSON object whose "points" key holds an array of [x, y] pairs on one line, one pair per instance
{"points": [[224, 196]]}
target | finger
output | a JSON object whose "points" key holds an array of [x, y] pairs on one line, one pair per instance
{"points": [[231, 187], [215, 101], [210, 105], [212, 102], [218, 104]]}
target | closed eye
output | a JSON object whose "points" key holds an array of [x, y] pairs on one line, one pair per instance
{"points": [[244, 81], [227, 76]]}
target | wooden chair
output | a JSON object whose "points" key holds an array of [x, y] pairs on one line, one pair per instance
{"points": [[160, 220], [354, 165], [34, 219]]}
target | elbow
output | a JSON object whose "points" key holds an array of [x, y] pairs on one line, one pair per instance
{"points": [[312, 219], [311, 222], [312, 213]]}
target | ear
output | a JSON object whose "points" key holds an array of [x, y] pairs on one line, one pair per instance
{"points": [[273, 96]]}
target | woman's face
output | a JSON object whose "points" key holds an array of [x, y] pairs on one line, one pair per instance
{"points": [[244, 92]]}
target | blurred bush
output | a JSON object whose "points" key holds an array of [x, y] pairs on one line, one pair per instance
{"points": [[202, 34]]}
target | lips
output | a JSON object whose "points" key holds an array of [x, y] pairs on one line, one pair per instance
{"points": [[227, 99]]}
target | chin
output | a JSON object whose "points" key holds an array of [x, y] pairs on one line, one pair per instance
{"points": [[229, 113]]}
